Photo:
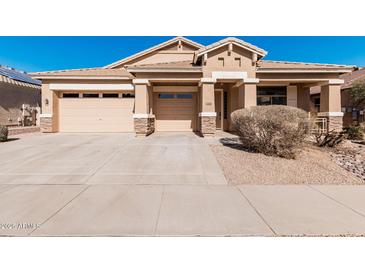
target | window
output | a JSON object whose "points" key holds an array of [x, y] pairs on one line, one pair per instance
{"points": [[110, 95], [184, 96], [221, 61], [90, 95], [237, 62], [128, 95], [175, 96], [317, 103], [166, 96], [271, 96], [70, 95]]}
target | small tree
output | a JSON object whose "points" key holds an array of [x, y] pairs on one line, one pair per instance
{"points": [[357, 93]]}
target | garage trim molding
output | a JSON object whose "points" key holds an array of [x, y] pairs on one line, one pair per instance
{"points": [[91, 86]]}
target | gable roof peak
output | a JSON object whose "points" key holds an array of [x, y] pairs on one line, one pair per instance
{"points": [[234, 40], [154, 48]]}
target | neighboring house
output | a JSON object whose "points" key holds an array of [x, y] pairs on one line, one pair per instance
{"points": [[352, 113], [17, 89], [181, 85]]}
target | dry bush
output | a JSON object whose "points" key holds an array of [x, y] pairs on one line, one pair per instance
{"points": [[272, 130], [330, 139]]}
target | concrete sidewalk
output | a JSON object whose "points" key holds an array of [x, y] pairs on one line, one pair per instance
{"points": [[167, 210]]}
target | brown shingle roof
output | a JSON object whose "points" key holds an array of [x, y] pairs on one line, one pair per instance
{"points": [[268, 65], [350, 78], [87, 72]]}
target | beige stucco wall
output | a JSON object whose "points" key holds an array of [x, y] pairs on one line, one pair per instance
{"points": [[208, 97], [167, 54], [11, 99], [47, 94], [301, 76], [330, 98], [292, 96], [175, 77], [247, 95], [216, 57], [142, 99]]}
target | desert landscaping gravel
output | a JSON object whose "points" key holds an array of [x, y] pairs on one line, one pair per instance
{"points": [[351, 157], [312, 166]]}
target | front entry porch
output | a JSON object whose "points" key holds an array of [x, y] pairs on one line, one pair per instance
{"points": [[206, 106]]}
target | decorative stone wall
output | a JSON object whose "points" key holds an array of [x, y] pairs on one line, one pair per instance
{"points": [[46, 124], [335, 123], [22, 130], [208, 125], [144, 126]]}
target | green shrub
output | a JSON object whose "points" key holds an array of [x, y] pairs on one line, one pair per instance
{"points": [[362, 126], [3, 133], [355, 133], [272, 130]]}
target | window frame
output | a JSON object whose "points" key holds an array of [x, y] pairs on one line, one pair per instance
{"points": [[77, 95], [175, 95], [128, 95], [279, 94], [97, 95], [108, 95]]}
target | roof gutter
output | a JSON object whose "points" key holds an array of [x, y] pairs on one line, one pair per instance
{"points": [[193, 70], [40, 77], [303, 71]]}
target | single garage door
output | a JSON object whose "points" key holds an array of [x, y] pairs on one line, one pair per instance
{"points": [[175, 111], [96, 113]]}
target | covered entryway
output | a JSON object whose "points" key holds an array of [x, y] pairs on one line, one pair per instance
{"points": [[175, 111], [96, 112]]}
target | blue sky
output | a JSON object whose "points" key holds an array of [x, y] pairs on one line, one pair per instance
{"points": [[53, 53]]}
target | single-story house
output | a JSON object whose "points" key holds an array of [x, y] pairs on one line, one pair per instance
{"points": [[181, 85], [17, 89], [352, 113]]}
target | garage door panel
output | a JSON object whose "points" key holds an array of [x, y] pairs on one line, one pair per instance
{"points": [[174, 114], [96, 115], [174, 125]]}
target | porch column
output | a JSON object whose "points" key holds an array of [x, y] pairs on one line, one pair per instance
{"points": [[303, 97], [292, 96], [144, 121], [207, 115], [330, 107], [247, 94]]}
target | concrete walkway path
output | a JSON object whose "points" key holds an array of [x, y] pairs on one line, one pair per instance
{"points": [[116, 185]]}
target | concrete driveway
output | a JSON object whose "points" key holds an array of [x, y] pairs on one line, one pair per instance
{"points": [[180, 158], [165, 184]]}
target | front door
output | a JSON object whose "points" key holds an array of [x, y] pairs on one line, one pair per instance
{"points": [[218, 95]]}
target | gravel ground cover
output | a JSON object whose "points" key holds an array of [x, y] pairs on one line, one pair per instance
{"points": [[312, 166], [351, 157]]}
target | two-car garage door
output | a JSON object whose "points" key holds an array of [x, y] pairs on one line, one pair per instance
{"points": [[96, 114]]}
